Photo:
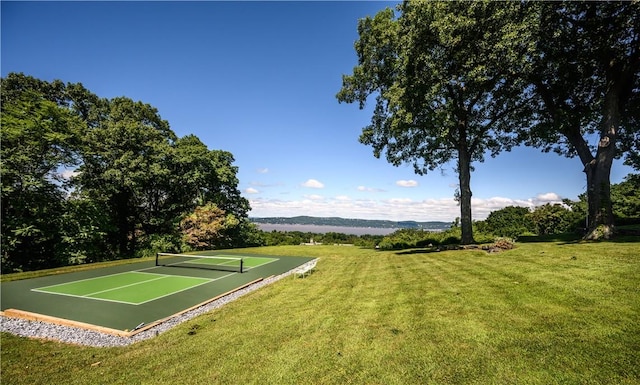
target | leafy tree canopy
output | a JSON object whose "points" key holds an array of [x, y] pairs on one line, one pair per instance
{"points": [[585, 73], [133, 181], [444, 76]]}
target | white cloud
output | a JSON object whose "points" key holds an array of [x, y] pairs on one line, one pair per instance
{"points": [[251, 190], [548, 197], [396, 209], [312, 183], [262, 170], [407, 183], [399, 200], [369, 189]]}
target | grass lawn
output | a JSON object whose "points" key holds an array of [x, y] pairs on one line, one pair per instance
{"points": [[551, 312]]}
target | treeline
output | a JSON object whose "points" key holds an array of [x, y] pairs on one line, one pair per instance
{"points": [[513, 221], [350, 222], [283, 238], [87, 179]]}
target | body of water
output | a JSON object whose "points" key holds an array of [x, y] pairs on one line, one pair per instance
{"points": [[325, 229]]}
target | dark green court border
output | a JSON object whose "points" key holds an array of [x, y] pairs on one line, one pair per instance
{"points": [[19, 295]]}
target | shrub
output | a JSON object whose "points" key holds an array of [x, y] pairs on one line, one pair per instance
{"points": [[510, 221], [554, 219], [160, 243], [410, 238]]}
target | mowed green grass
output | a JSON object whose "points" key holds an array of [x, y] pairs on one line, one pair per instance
{"points": [[544, 313]]}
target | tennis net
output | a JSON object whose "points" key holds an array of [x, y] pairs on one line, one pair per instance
{"points": [[225, 263]]}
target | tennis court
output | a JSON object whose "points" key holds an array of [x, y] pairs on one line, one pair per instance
{"points": [[125, 297]]}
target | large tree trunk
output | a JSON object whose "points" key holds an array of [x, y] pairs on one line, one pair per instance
{"points": [[600, 212], [600, 220], [125, 228], [464, 176]]}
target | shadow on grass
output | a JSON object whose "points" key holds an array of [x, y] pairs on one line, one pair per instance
{"points": [[563, 238], [418, 251], [573, 238]]}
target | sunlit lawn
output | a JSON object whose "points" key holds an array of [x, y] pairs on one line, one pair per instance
{"points": [[543, 313]]}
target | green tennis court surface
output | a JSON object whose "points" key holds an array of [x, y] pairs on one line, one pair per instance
{"points": [[132, 288], [123, 297], [224, 262]]}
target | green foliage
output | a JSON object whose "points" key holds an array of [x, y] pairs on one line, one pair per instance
{"points": [[124, 166], [85, 225], [161, 243], [444, 76], [203, 175], [408, 238], [626, 198], [133, 178], [207, 227], [585, 74], [38, 137], [282, 238], [247, 234], [510, 221], [554, 219]]}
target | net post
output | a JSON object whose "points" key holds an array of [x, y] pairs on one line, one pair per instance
{"points": [[157, 259], [241, 265]]}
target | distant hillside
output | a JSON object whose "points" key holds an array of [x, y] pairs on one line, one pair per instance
{"points": [[347, 222]]}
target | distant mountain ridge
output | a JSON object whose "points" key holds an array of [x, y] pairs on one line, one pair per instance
{"points": [[348, 222]]}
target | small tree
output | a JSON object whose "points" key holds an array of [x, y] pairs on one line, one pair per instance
{"points": [[207, 227], [553, 219], [510, 221], [626, 198]]}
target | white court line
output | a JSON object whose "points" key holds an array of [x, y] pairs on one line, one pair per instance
{"points": [[262, 264]]}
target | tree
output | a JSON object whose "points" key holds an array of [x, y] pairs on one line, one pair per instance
{"points": [[38, 137], [134, 179], [202, 175], [444, 76], [126, 168], [510, 221], [207, 227], [554, 219], [626, 198], [585, 74]]}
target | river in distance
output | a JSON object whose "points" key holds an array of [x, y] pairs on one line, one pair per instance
{"points": [[318, 229]]}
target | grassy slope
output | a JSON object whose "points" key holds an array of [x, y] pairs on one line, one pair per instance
{"points": [[544, 313]]}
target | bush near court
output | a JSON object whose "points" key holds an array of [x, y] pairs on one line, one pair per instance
{"points": [[412, 238]]}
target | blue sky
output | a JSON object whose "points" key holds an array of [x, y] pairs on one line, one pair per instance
{"points": [[259, 79]]}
